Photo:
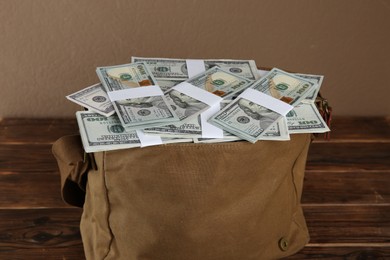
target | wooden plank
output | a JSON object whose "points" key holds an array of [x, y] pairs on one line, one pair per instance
{"points": [[334, 253], [343, 253], [359, 129], [348, 224], [21, 190], [33, 158], [39, 229], [339, 188], [75, 252], [35, 130], [349, 157]]}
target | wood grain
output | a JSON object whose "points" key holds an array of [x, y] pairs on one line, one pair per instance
{"points": [[29, 158], [39, 228], [346, 188], [349, 157], [21, 190], [348, 224], [35, 131], [340, 252], [360, 129], [74, 252]]}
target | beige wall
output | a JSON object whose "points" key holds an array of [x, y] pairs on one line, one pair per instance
{"points": [[51, 48]]}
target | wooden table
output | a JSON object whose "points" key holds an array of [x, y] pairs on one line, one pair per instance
{"points": [[346, 196]]}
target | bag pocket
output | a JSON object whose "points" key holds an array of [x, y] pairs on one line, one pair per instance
{"points": [[195, 201]]}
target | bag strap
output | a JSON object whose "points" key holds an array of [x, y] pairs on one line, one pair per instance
{"points": [[325, 110]]}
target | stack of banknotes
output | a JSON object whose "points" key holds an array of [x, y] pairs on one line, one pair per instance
{"points": [[155, 101]]}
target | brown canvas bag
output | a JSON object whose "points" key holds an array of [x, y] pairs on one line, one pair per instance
{"points": [[188, 201]]}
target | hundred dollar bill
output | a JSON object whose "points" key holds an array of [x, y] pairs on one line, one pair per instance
{"points": [[191, 129], [215, 80], [243, 68], [140, 112], [318, 79], [245, 119], [185, 106], [176, 69], [285, 86], [305, 118], [220, 82], [99, 133], [277, 132], [166, 85], [94, 98], [315, 78], [227, 138]]}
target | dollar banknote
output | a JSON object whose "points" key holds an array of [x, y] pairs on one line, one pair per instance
{"points": [[305, 118], [185, 106], [245, 119], [318, 79], [285, 86], [227, 138], [243, 68], [215, 80], [220, 82], [99, 133], [176, 69], [191, 129], [137, 112], [166, 85], [94, 98], [277, 132]]}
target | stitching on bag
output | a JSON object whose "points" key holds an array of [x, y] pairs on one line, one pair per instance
{"points": [[293, 167], [293, 219], [108, 206], [295, 185]]}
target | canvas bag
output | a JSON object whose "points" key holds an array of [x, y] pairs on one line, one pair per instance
{"points": [[185, 201]]}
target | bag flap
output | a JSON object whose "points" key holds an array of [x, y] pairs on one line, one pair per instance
{"points": [[73, 164]]}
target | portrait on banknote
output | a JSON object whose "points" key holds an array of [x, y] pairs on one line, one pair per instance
{"points": [[187, 104], [263, 115]]}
